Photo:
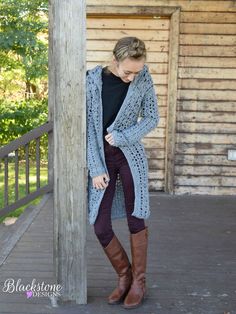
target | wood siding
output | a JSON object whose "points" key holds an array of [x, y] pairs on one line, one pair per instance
{"points": [[206, 107], [206, 115]]}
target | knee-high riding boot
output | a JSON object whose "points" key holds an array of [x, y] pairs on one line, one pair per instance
{"points": [[137, 291], [120, 262]]}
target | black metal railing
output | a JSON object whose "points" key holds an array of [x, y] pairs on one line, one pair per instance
{"points": [[11, 151]]}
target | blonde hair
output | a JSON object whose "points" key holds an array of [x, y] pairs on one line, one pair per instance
{"points": [[129, 47]]}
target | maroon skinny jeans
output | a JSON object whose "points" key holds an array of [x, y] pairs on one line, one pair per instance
{"points": [[116, 163]]}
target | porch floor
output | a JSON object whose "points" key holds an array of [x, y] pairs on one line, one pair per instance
{"points": [[191, 261]]}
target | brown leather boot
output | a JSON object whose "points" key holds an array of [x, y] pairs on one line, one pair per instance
{"points": [[137, 291], [120, 262]]}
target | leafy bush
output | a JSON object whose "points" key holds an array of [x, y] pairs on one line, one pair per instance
{"points": [[18, 118], [23, 48]]}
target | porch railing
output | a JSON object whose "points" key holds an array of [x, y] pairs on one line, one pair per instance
{"points": [[12, 150]]}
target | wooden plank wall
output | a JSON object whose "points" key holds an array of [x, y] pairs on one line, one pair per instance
{"points": [[206, 114], [206, 111], [102, 34]]}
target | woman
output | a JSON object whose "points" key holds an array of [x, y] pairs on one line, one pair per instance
{"points": [[118, 170]]}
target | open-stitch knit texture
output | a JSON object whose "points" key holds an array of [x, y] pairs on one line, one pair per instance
{"points": [[127, 131]]}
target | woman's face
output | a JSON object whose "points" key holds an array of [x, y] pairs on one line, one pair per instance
{"points": [[129, 68]]}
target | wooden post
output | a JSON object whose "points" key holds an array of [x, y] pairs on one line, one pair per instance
{"points": [[67, 72]]}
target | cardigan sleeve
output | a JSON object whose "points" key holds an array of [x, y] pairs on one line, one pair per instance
{"points": [[149, 120], [94, 162]]}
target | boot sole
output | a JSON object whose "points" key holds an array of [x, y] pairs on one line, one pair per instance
{"points": [[115, 302], [135, 306], [119, 301]]}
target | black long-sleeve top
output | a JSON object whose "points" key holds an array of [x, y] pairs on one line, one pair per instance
{"points": [[114, 91]]}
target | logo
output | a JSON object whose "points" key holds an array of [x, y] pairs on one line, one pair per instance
{"points": [[33, 289]]}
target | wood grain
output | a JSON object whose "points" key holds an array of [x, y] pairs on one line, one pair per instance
{"points": [[67, 81]]}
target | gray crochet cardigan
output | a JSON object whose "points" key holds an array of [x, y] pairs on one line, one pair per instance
{"points": [[127, 131]]}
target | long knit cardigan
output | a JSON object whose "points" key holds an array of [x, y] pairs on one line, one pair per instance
{"points": [[137, 116]]}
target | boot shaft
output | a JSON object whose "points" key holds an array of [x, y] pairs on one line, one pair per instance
{"points": [[139, 244]]}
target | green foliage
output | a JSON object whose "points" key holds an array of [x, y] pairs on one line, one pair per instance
{"points": [[17, 118], [23, 73], [23, 38], [23, 68], [12, 84], [20, 117]]}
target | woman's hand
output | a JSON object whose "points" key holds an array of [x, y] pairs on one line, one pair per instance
{"points": [[109, 138], [101, 182]]}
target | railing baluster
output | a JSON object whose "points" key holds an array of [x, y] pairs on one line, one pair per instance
{"points": [[16, 175], [15, 146], [38, 161], [6, 199], [27, 189]]}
